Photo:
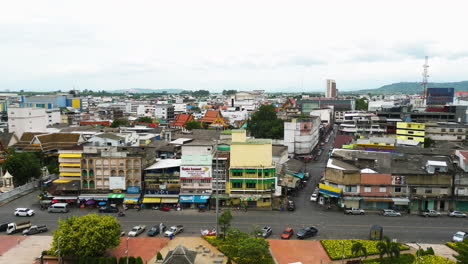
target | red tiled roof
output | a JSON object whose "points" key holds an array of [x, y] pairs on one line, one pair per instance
{"points": [[181, 119], [464, 154], [210, 116]]}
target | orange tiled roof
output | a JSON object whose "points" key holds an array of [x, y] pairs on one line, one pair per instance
{"points": [[211, 116], [181, 119]]}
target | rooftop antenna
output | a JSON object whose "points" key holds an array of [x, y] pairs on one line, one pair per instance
{"points": [[424, 80]]}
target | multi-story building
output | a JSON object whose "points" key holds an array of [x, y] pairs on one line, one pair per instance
{"points": [[70, 163], [363, 123], [338, 105], [220, 173], [26, 119], [330, 88], [446, 131], [252, 174], [196, 173], [162, 182], [107, 169], [301, 136], [411, 131], [164, 112]]}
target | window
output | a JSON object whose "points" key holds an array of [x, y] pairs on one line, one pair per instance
{"points": [[443, 130], [410, 138], [459, 137], [452, 130], [250, 172], [382, 189], [236, 185], [460, 130], [414, 190], [267, 173], [351, 188], [236, 173], [205, 181], [397, 189], [251, 185], [259, 174], [428, 190], [367, 189]]}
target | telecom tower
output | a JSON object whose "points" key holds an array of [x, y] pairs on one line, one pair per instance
{"points": [[424, 81]]}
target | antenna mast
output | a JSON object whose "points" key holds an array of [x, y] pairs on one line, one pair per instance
{"points": [[424, 81]]}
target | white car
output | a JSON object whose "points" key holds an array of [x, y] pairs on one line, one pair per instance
{"points": [[313, 197], [460, 236], [457, 214], [24, 212], [136, 230]]}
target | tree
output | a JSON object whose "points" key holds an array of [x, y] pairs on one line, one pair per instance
{"points": [[253, 250], [265, 124], [224, 220], [87, 235], [119, 122], [193, 124], [23, 166], [428, 142], [462, 250], [159, 256], [361, 104], [195, 109], [144, 119], [386, 246], [229, 261], [138, 260], [131, 260], [200, 93], [229, 92], [358, 249]]}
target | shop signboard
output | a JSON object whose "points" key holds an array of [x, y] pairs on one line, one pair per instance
{"points": [[117, 183], [195, 172]]}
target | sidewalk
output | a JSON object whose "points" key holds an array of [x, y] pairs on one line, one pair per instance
{"points": [[439, 249], [26, 250]]}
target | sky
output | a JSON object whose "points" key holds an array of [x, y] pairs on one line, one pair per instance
{"points": [[289, 46]]}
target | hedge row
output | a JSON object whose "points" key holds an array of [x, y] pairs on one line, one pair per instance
{"points": [[334, 247], [410, 259], [453, 245]]}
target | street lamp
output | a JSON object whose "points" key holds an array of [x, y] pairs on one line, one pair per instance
{"points": [[418, 252], [342, 251], [126, 250]]}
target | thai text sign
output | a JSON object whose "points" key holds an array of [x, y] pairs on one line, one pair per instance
{"points": [[195, 172]]}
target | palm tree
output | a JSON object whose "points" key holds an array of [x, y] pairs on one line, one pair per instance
{"points": [[388, 247], [358, 249]]}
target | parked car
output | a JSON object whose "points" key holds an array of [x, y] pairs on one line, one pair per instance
{"points": [[427, 213], [136, 230], [390, 212], [307, 232], [456, 214], [174, 230], [24, 212], [165, 208], [35, 230], [108, 209], [313, 197], [265, 232], [291, 206], [287, 233], [354, 211], [156, 229], [460, 236]]}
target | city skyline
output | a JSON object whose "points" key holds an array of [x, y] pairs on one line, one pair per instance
{"points": [[217, 46]]}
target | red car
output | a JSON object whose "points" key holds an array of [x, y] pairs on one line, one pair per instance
{"points": [[287, 233], [165, 208]]}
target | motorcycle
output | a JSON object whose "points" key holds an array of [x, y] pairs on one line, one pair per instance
{"points": [[120, 214]]}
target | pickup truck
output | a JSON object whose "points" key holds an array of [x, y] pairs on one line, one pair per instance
{"points": [[136, 230], [174, 230], [17, 227], [428, 213], [354, 211], [35, 230]]}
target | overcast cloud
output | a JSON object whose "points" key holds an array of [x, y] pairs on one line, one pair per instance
{"points": [[216, 45]]}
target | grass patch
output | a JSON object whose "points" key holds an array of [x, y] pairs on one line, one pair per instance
{"points": [[334, 247], [234, 250], [410, 259], [453, 245]]}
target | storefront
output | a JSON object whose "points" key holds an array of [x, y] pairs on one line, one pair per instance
{"points": [[93, 200], [251, 200], [329, 195], [193, 201], [131, 199], [376, 203], [116, 198], [156, 200]]}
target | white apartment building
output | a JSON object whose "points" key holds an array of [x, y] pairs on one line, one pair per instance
{"points": [[326, 115], [27, 119], [301, 136], [164, 111]]}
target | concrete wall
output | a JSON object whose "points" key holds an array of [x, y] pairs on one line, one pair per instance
{"points": [[251, 155]]}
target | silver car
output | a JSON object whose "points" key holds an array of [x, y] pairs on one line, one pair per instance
{"points": [[457, 214], [390, 212], [460, 236]]}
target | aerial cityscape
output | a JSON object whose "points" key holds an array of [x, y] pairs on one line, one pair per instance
{"points": [[240, 133]]}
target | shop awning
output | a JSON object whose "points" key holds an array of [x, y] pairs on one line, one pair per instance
{"points": [[70, 164], [116, 195], [61, 181], [351, 198], [401, 201], [169, 200], [377, 200], [69, 155], [300, 175], [65, 198], [151, 200], [130, 200], [97, 197], [69, 174]]}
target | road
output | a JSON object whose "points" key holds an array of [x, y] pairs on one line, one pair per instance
{"points": [[331, 224]]}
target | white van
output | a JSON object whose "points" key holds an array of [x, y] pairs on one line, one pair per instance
{"points": [[58, 208]]}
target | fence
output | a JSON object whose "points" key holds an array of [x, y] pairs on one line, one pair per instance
{"points": [[18, 190]]}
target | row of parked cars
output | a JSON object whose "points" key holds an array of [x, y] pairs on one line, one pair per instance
{"points": [[156, 229], [391, 212], [289, 232]]}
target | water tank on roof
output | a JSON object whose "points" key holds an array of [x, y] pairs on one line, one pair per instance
{"points": [[224, 147]]}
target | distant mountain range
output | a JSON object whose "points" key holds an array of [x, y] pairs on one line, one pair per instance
{"points": [[413, 87], [143, 90]]}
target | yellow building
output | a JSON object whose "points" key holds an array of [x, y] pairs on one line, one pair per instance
{"points": [[70, 164], [411, 131], [252, 175]]}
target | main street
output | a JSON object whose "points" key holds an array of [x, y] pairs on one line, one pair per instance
{"points": [[332, 224]]}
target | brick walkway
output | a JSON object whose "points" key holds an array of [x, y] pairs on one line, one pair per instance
{"points": [[8, 242], [144, 247], [305, 251]]}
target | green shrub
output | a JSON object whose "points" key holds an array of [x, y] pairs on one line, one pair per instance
{"points": [[131, 260], [334, 247], [123, 260], [411, 259], [113, 260], [453, 245], [139, 260], [159, 256]]}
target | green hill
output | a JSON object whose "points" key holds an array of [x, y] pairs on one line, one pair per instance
{"points": [[414, 87]]}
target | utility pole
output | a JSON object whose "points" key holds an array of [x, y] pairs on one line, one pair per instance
{"points": [[217, 193], [126, 251]]}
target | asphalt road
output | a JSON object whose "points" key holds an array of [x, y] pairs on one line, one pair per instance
{"points": [[331, 224]]}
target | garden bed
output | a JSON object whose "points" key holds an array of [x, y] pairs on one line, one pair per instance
{"points": [[334, 247], [410, 259]]}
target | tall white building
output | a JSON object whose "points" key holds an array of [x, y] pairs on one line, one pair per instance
{"points": [[301, 136], [330, 89], [27, 119]]}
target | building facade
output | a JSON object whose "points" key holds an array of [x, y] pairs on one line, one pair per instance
{"points": [[301, 136], [26, 119], [330, 89], [411, 131]]}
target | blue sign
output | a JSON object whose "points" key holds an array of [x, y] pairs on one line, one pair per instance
{"points": [[133, 189]]}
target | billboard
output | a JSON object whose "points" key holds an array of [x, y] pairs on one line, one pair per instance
{"points": [[440, 96], [195, 172], [117, 183], [398, 180]]}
